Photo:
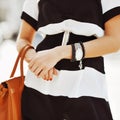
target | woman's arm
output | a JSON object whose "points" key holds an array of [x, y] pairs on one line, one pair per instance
{"points": [[26, 35], [109, 43]]}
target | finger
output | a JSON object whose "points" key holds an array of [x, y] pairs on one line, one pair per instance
{"points": [[33, 68], [55, 71], [38, 71], [31, 63], [50, 74], [43, 73], [38, 74], [45, 77]]}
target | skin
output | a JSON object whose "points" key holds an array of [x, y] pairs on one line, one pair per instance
{"points": [[42, 63]]}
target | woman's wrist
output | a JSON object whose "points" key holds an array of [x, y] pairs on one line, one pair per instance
{"points": [[30, 54], [74, 52], [64, 52]]}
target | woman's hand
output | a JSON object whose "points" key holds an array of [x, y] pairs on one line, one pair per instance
{"points": [[49, 75], [42, 64]]}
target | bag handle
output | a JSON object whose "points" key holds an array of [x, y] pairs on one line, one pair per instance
{"points": [[20, 59]]}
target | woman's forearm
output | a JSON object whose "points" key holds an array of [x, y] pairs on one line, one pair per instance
{"points": [[26, 36], [107, 44], [94, 48], [101, 46]]}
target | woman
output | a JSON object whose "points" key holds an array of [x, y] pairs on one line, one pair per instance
{"points": [[66, 77]]}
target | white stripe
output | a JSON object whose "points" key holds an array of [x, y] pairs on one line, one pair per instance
{"points": [[109, 4], [31, 8], [76, 27], [65, 37], [74, 84]]}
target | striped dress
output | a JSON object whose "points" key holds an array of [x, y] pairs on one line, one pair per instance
{"points": [[79, 91]]}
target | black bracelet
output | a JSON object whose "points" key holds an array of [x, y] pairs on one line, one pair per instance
{"points": [[83, 49], [73, 53]]}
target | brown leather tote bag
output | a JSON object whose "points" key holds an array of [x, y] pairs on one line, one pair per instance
{"points": [[11, 91]]}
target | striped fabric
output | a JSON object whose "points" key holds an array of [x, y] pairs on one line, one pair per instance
{"points": [[84, 20]]}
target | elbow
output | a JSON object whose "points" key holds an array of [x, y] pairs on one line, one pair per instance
{"points": [[21, 42]]}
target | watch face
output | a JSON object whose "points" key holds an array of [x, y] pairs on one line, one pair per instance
{"points": [[78, 54]]}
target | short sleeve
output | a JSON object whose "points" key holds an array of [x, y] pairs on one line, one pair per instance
{"points": [[30, 12], [110, 8]]}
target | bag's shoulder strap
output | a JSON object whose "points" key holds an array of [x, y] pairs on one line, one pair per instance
{"points": [[20, 58]]}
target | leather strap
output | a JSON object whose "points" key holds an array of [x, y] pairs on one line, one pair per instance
{"points": [[20, 59]]}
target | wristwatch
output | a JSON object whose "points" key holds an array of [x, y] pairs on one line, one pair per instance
{"points": [[78, 52]]}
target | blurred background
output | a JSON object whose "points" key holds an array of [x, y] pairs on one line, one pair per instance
{"points": [[10, 12]]}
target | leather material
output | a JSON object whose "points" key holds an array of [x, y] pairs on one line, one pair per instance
{"points": [[11, 91]]}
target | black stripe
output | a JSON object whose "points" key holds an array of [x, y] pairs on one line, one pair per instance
{"points": [[35, 105], [54, 11], [96, 63], [30, 20], [111, 13]]}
